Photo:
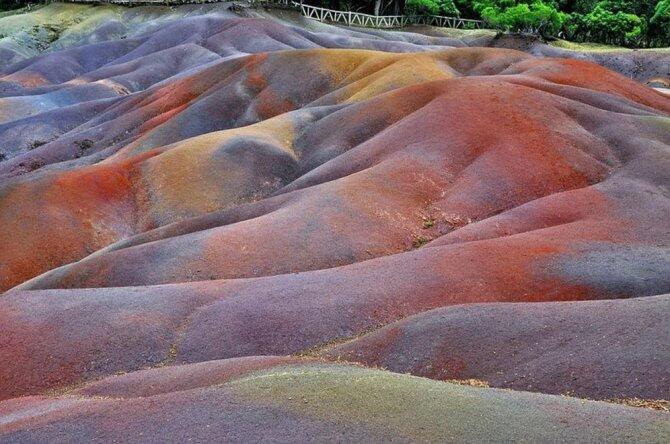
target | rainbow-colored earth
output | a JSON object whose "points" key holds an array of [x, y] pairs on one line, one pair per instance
{"points": [[252, 227]]}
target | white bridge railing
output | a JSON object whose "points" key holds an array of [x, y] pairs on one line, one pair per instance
{"points": [[348, 18], [351, 18], [451, 22]]}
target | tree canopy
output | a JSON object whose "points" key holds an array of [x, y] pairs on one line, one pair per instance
{"points": [[632, 23]]}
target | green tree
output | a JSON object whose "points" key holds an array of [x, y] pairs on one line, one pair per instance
{"points": [[537, 17], [431, 7], [466, 9], [6, 5], [659, 24], [634, 23], [608, 22]]}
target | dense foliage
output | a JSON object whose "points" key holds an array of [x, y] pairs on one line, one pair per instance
{"points": [[6, 5], [432, 7], [535, 17], [633, 23]]}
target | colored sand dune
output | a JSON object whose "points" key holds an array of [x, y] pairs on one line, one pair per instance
{"points": [[268, 401], [252, 227]]}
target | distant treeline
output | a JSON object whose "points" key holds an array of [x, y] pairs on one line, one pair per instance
{"points": [[632, 23], [6, 5]]}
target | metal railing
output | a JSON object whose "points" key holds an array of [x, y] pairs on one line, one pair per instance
{"points": [[348, 18], [351, 18], [452, 22]]}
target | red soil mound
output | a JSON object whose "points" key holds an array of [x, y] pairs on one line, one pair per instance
{"points": [[522, 179], [602, 349]]}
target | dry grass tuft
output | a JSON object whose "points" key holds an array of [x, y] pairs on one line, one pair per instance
{"points": [[471, 382], [655, 404]]}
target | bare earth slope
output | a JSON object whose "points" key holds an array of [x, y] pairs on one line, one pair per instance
{"points": [[251, 221]]}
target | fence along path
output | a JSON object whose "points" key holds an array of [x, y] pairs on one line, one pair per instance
{"points": [[351, 18], [348, 18]]}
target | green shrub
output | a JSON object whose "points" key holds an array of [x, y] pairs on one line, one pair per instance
{"points": [[536, 17], [431, 7], [607, 23], [659, 24]]}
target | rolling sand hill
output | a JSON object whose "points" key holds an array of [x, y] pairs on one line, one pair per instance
{"points": [[258, 228]]}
